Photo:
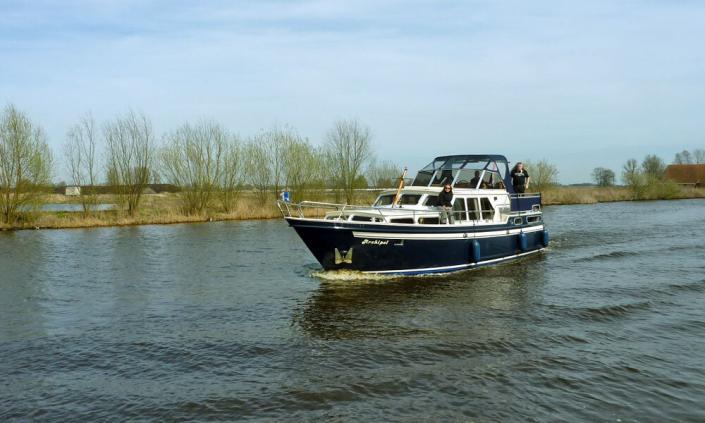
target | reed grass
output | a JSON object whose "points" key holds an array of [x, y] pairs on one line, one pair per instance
{"points": [[591, 195], [584, 195]]}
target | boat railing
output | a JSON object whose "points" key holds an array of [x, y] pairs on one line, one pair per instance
{"points": [[314, 209]]}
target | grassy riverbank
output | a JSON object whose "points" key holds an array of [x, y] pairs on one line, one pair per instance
{"points": [[166, 208], [591, 195], [155, 209]]}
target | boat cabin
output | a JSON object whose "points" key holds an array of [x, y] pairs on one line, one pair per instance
{"points": [[418, 205], [483, 195]]}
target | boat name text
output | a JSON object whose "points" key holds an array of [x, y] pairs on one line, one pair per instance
{"points": [[375, 242]]}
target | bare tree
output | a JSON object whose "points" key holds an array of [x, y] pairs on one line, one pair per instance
{"points": [[81, 160], [278, 141], [699, 155], [383, 175], [653, 166], [232, 175], [25, 164], [684, 157], [630, 168], [349, 148], [543, 174], [130, 157], [257, 164], [302, 166], [192, 159], [633, 178], [603, 177]]}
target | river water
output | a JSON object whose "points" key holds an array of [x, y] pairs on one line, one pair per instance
{"points": [[233, 321]]}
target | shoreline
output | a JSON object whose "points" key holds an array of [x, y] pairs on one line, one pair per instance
{"points": [[593, 195], [161, 210], [108, 224]]}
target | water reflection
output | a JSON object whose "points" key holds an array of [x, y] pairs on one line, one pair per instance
{"points": [[72, 207], [492, 298]]}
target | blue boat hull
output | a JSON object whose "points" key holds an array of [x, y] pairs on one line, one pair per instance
{"points": [[400, 249]]}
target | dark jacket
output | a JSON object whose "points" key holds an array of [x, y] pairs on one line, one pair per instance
{"points": [[519, 180], [445, 199]]}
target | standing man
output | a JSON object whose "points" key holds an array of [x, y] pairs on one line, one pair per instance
{"points": [[520, 178]]}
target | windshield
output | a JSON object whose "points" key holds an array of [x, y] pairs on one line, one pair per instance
{"points": [[384, 200], [422, 178], [464, 172]]}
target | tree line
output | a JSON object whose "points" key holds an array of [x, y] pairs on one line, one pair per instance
{"points": [[686, 157], [213, 166], [652, 168], [636, 175], [649, 174], [210, 164]]}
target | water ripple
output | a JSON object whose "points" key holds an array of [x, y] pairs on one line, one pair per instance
{"points": [[235, 321]]}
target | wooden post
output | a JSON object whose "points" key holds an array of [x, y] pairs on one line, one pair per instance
{"points": [[401, 185]]}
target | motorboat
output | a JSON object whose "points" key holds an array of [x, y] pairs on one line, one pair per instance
{"points": [[405, 231]]}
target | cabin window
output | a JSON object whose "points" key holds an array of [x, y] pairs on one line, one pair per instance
{"points": [[405, 200], [473, 209], [486, 208], [533, 219], [502, 169], [431, 200], [443, 176], [423, 178], [361, 219], [429, 221], [517, 221], [466, 176], [410, 199], [492, 180], [384, 200], [402, 220], [459, 209], [483, 175]]}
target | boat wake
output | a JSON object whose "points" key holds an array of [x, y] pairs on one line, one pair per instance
{"points": [[350, 275]]}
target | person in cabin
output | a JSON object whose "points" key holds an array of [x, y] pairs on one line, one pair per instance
{"points": [[520, 178], [474, 181], [445, 202], [446, 176]]}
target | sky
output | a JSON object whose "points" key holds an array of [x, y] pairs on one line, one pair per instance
{"points": [[580, 84]]}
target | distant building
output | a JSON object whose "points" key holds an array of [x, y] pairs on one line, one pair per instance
{"points": [[686, 174], [72, 190]]}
